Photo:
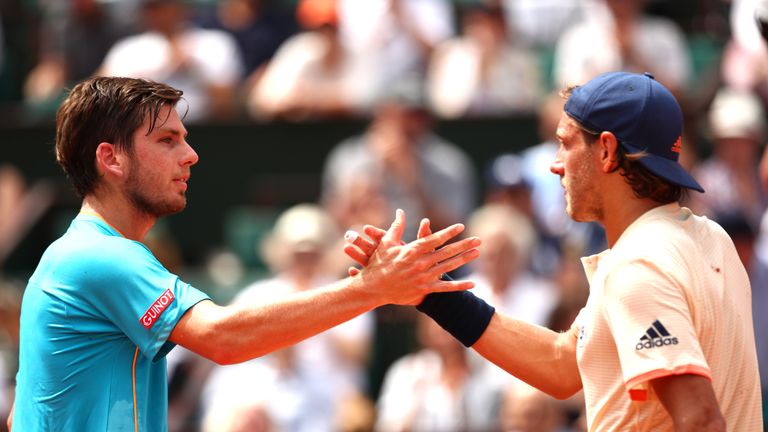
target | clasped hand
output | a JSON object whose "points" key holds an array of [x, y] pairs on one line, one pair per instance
{"points": [[406, 272]]}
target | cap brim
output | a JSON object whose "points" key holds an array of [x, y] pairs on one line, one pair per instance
{"points": [[670, 171]]}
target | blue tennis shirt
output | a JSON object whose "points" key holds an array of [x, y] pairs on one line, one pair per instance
{"points": [[95, 322]]}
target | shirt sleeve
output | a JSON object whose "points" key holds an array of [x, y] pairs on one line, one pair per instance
{"points": [[130, 288], [650, 320]]}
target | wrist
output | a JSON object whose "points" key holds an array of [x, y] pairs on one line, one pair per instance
{"points": [[461, 313]]}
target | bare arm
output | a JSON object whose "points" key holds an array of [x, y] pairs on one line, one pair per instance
{"points": [[9, 422], [691, 402], [397, 274], [537, 355]]}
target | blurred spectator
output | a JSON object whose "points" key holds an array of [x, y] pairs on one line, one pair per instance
{"points": [[413, 168], [436, 388], [258, 26], [393, 38], [540, 23], [205, 64], [312, 75], [730, 176], [501, 273], [21, 206], [618, 35], [74, 37], [745, 57], [302, 388], [484, 72]]}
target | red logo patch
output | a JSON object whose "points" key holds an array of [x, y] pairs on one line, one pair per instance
{"points": [[157, 308], [677, 147]]}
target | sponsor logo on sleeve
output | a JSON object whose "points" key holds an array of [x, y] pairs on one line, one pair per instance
{"points": [[656, 336], [158, 307]]}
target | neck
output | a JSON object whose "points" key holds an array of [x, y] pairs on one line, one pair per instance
{"points": [[621, 216], [120, 214]]}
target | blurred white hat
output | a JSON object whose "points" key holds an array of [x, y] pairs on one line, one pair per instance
{"points": [[303, 227], [737, 114]]}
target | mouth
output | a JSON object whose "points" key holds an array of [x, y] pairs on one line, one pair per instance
{"points": [[182, 181]]}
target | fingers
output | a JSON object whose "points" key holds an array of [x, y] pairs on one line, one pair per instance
{"points": [[394, 234], [374, 233], [456, 248], [434, 241], [353, 271], [356, 254], [455, 262], [424, 229], [358, 247]]}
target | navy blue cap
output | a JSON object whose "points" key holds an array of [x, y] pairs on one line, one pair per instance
{"points": [[642, 114]]}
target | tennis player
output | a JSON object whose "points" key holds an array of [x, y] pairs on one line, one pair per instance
{"points": [[100, 313], [665, 341]]}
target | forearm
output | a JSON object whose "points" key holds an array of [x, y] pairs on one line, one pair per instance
{"points": [[537, 355], [235, 333]]}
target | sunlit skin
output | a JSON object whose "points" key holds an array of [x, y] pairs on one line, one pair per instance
{"points": [[146, 182], [159, 167], [577, 165]]}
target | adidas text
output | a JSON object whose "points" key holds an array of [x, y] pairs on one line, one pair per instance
{"points": [[656, 342]]}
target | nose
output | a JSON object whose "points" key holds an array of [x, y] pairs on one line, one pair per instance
{"points": [[190, 157], [556, 167]]}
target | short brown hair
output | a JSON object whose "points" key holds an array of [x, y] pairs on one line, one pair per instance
{"points": [[644, 183], [105, 109]]}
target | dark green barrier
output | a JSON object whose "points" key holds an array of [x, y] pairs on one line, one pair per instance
{"points": [[273, 165]]}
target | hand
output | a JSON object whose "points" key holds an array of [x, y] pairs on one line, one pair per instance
{"points": [[360, 248], [405, 273]]}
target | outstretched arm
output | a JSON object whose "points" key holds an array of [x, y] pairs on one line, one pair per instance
{"points": [[396, 274], [537, 355]]}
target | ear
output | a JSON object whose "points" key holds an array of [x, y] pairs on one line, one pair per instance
{"points": [[109, 161], [609, 145]]}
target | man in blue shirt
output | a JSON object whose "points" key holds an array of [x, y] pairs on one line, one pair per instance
{"points": [[100, 312]]}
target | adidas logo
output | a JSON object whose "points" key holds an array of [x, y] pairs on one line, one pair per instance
{"points": [[656, 336]]}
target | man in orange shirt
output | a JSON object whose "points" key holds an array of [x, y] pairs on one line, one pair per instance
{"points": [[665, 341]]}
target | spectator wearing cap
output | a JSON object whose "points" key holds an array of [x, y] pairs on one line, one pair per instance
{"points": [[300, 388], [502, 274], [312, 75], [665, 340], [737, 127]]}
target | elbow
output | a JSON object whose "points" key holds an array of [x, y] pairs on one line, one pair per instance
{"points": [[565, 386], [564, 392]]}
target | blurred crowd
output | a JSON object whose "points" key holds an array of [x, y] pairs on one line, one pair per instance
{"points": [[402, 65]]}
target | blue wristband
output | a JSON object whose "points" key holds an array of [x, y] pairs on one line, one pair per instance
{"points": [[460, 313]]}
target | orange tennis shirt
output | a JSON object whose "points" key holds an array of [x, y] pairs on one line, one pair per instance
{"points": [[671, 297]]}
